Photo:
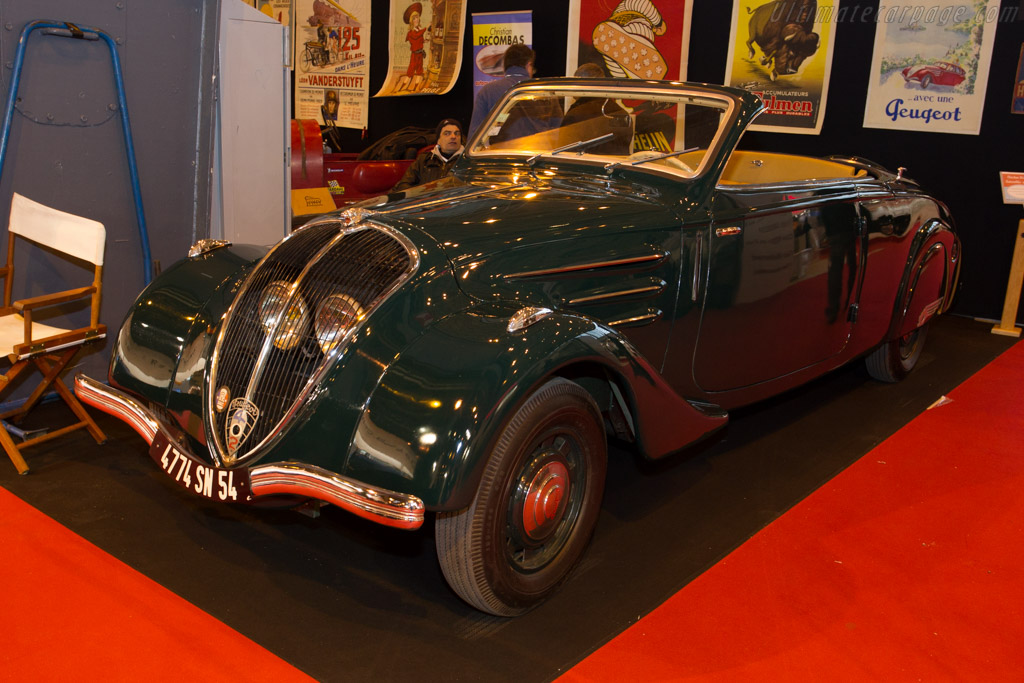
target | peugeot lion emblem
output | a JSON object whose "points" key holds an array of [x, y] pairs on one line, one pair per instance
{"points": [[242, 416]]}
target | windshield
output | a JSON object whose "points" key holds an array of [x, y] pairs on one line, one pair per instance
{"points": [[616, 127]]}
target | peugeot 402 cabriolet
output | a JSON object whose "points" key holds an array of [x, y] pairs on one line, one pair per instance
{"points": [[603, 263]]}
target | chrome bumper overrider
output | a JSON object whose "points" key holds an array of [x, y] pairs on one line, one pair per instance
{"points": [[280, 478]]}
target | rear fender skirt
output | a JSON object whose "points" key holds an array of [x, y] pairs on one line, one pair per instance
{"points": [[427, 427], [929, 281]]}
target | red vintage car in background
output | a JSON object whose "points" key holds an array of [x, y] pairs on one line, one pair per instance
{"points": [[939, 73], [350, 177]]}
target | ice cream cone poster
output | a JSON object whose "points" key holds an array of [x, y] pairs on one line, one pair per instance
{"points": [[332, 61], [781, 50], [643, 39], [929, 67], [425, 47]]}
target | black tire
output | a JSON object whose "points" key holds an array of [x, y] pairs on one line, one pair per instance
{"points": [[550, 459], [925, 82], [893, 360]]}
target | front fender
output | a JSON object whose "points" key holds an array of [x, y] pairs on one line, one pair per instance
{"points": [[162, 344], [430, 422]]}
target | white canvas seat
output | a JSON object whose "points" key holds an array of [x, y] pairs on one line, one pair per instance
{"points": [[27, 343]]}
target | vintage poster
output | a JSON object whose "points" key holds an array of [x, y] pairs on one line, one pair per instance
{"points": [[493, 33], [1018, 87], [281, 10], [781, 50], [929, 69], [332, 61], [645, 39], [425, 47]]}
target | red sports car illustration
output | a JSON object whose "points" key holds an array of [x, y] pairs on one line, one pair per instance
{"points": [[939, 73]]}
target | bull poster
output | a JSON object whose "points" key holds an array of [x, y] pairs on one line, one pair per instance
{"points": [[332, 61], [645, 39], [929, 67], [781, 50], [425, 47], [493, 33]]}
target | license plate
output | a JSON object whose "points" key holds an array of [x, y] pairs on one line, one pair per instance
{"points": [[204, 480]]}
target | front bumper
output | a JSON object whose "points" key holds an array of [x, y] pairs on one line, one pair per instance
{"points": [[385, 507]]}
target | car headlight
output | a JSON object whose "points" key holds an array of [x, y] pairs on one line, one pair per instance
{"points": [[336, 316], [283, 315]]}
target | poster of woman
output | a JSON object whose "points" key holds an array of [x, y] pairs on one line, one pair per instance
{"points": [[425, 49]]}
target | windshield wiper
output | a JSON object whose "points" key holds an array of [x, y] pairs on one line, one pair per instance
{"points": [[614, 165], [579, 145]]}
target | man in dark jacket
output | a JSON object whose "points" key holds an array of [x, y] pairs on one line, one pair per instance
{"points": [[519, 66], [436, 162]]}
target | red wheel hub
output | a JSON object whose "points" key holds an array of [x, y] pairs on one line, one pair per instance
{"points": [[544, 500]]}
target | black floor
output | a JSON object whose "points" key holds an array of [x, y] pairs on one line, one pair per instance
{"points": [[344, 599]]}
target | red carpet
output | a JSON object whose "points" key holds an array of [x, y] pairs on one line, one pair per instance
{"points": [[71, 612], [907, 566]]}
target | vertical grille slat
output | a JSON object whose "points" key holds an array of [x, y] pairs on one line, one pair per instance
{"points": [[366, 263]]}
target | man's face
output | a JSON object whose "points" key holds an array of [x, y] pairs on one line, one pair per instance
{"points": [[450, 140]]}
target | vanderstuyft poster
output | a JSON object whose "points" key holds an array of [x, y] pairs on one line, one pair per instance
{"points": [[645, 39], [929, 68], [332, 61], [781, 50], [493, 33], [425, 47]]}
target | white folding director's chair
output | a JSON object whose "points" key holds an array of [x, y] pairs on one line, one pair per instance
{"points": [[27, 343]]}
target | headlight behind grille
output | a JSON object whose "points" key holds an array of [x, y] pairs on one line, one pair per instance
{"points": [[282, 313]]}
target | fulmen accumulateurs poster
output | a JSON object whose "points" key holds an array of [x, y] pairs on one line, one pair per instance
{"points": [[781, 50]]}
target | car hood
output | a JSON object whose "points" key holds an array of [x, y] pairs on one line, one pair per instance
{"points": [[490, 233]]}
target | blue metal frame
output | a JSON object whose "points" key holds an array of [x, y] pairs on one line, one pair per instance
{"points": [[69, 30]]}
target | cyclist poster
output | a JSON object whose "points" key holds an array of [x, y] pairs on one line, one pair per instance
{"points": [[425, 47], [332, 61]]}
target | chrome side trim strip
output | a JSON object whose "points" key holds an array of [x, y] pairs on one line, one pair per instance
{"points": [[590, 266], [385, 507], [653, 289], [118, 404], [647, 317]]}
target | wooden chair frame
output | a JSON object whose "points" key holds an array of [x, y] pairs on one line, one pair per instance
{"points": [[48, 349]]}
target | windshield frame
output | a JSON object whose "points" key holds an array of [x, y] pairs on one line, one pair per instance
{"points": [[618, 89]]}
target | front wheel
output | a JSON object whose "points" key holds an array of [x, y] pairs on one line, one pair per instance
{"points": [[893, 360], [536, 507]]}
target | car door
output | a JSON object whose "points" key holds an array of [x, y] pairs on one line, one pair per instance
{"points": [[783, 269]]}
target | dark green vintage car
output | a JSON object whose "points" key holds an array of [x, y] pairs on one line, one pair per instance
{"points": [[602, 264]]}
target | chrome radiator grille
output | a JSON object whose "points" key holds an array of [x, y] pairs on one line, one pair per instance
{"points": [[255, 384]]}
